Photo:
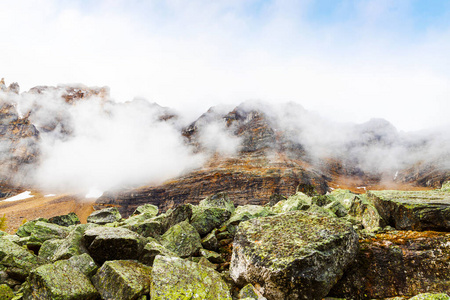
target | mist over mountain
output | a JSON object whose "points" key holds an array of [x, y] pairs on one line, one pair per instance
{"points": [[75, 138]]}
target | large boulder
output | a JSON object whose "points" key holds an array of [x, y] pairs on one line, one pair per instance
{"points": [[365, 212], [122, 279], [176, 278], [182, 239], [220, 200], [111, 243], [413, 210], [205, 219], [398, 263], [65, 220], [295, 255], [299, 201], [25, 229], [148, 210], [151, 250], [104, 216], [43, 231], [59, 281], [247, 212], [172, 217], [17, 260]]}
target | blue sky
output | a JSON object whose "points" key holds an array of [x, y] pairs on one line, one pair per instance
{"points": [[348, 60]]}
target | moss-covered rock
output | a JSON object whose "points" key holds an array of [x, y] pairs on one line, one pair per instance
{"points": [[59, 281], [149, 210], [176, 278], [122, 279], [397, 263], [146, 228], [337, 208], [17, 260], [220, 200], [430, 296], [151, 250], [247, 212], [365, 212], [204, 219], [172, 217], [299, 201], [6, 293], [212, 256], [294, 255], [210, 241], [26, 229], [104, 216], [413, 210], [71, 245], [65, 220], [248, 291], [111, 243], [48, 248], [345, 197], [182, 239], [84, 263], [43, 231]]}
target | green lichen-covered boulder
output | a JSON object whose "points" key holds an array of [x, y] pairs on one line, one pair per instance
{"points": [[147, 209], [17, 260], [212, 256], [84, 263], [248, 291], [210, 241], [65, 220], [413, 210], [176, 278], [26, 229], [299, 201], [247, 212], [6, 293], [337, 208], [151, 250], [345, 197], [71, 245], [294, 255], [123, 279], [59, 281], [105, 216], [205, 219], [182, 239], [48, 248], [111, 243], [220, 200], [397, 263], [146, 228], [43, 231], [172, 217], [430, 296], [365, 212]]}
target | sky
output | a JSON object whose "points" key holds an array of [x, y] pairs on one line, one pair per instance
{"points": [[347, 60]]}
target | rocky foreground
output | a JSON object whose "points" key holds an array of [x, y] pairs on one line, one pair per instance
{"points": [[379, 245]]}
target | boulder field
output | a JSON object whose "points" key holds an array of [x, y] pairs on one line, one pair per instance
{"points": [[379, 245]]}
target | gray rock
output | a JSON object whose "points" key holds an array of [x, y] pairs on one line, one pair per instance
{"points": [[182, 239], [65, 220], [104, 216]]}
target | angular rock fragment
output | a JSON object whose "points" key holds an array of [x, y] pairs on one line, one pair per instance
{"points": [[172, 217], [65, 220], [104, 216], [151, 250], [84, 263], [111, 243], [247, 212], [123, 279], [430, 296], [27, 228], [148, 210], [147, 228], [248, 291], [295, 255], [205, 219], [176, 278], [210, 242], [299, 201], [398, 263], [59, 281], [220, 200], [43, 231], [413, 210], [182, 239], [6, 293]]}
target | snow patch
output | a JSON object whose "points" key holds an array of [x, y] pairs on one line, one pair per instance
{"points": [[22, 196]]}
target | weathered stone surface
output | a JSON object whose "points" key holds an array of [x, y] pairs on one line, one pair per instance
{"points": [[110, 243], [84, 263], [176, 278], [398, 263], [344, 197], [337, 208], [27, 228], [148, 209], [182, 239], [413, 210], [430, 296], [6, 293], [299, 201], [247, 212], [147, 228], [151, 250], [71, 245], [59, 281], [105, 216], [212, 256], [205, 219], [210, 242], [122, 279], [173, 217], [18, 261], [48, 248], [295, 255], [43, 231], [218, 200], [365, 212], [65, 220], [248, 291]]}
